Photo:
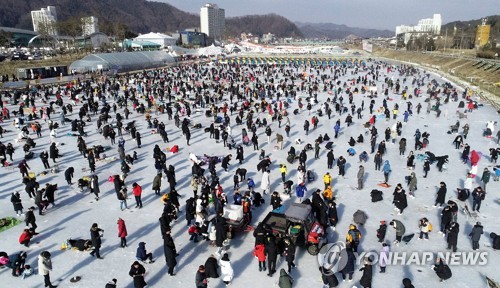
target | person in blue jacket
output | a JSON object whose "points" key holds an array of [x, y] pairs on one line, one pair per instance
{"points": [[300, 190], [251, 184], [387, 171], [142, 254]]}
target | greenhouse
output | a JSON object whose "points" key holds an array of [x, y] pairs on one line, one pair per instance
{"points": [[122, 62]]}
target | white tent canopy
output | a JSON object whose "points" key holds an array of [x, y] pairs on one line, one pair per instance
{"points": [[210, 51], [159, 38]]}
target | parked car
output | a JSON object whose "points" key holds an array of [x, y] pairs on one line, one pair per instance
{"points": [[299, 224]]}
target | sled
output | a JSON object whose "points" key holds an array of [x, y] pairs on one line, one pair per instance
{"points": [[385, 185], [75, 279]]}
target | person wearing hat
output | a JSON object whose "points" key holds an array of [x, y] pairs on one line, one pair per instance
{"points": [[366, 279], [111, 284], [400, 230], [226, 270], [137, 272], [475, 235], [201, 278], [407, 283]]}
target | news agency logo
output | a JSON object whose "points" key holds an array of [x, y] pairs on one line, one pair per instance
{"points": [[333, 258]]}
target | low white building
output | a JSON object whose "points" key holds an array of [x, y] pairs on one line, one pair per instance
{"points": [[159, 38]]}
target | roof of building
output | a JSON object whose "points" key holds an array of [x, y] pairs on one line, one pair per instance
{"points": [[17, 30], [153, 35], [122, 62]]}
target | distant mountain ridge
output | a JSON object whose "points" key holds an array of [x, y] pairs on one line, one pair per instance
{"points": [[336, 31], [140, 16]]}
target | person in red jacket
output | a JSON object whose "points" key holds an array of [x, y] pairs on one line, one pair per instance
{"points": [[260, 254], [25, 237], [137, 190], [122, 232]]}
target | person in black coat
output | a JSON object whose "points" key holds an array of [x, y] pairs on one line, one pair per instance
{"points": [[95, 237], [239, 154], [349, 266], [366, 279], [187, 133], [225, 161], [260, 234], [201, 278], [271, 251], [264, 164], [190, 210], [289, 254], [341, 164], [68, 174], [15, 198], [329, 278], [138, 139], [441, 194], [276, 200], [50, 190], [332, 214], [170, 253], [452, 239], [53, 152], [137, 272], [211, 267], [18, 263], [30, 219], [220, 231], [165, 225], [442, 270], [44, 156]]}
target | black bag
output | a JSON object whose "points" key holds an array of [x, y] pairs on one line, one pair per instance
{"points": [[329, 145], [463, 194], [376, 195]]}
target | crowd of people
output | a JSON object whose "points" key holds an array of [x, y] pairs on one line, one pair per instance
{"points": [[209, 104]]}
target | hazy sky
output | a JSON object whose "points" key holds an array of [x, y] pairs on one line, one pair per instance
{"points": [[380, 14]]}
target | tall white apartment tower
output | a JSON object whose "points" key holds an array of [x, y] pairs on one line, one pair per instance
{"points": [[212, 21], [90, 25], [45, 19]]}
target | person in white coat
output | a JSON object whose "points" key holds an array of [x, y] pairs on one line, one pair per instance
{"points": [[44, 267], [226, 269], [468, 182], [53, 135], [301, 177], [200, 211], [265, 182], [384, 257]]}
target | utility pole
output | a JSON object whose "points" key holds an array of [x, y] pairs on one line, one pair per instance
{"points": [[445, 37]]}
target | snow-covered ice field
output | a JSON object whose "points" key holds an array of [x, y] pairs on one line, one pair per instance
{"points": [[75, 211]]}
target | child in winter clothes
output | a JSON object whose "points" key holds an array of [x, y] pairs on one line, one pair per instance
{"points": [[384, 257], [382, 229], [260, 254], [193, 232], [425, 227]]}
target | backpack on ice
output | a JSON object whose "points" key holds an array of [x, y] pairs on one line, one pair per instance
{"points": [[376, 195], [310, 176]]}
